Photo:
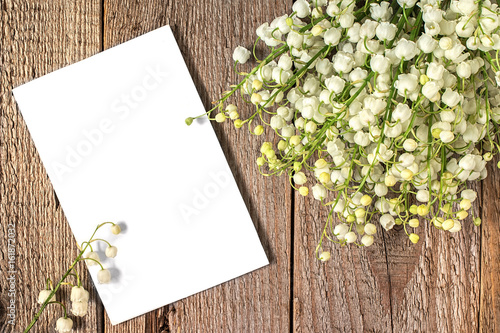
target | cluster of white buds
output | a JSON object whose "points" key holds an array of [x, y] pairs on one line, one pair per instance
{"points": [[79, 296], [376, 105], [93, 259], [80, 301]]}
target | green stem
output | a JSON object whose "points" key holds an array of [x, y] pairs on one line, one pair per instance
{"points": [[47, 301]]}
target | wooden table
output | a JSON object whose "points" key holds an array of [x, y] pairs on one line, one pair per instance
{"points": [[446, 283]]}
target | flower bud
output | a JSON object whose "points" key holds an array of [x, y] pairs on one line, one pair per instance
{"points": [[259, 130], [311, 127], [304, 191], [413, 209], [256, 98], [189, 121], [447, 136], [401, 112], [390, 180], [316, 30], [370, 229], [257, 84], [426, 43], [367, 240], [360, 212], [238, 123], [44, 294], [79, 294], [451, 97], [282, 145], [111, 251], [436, 132], [324, 256], [366, 200], [405, 49], [438, 222], [469, 194], [448, 224], [234, 115], [261, 161], [265, 146], [295, 140], [103, 276], [414, 223], [477, 221], [230, 108], [424, 79], [462, 215], [79, 308], [386, 31], [270, 154], [93, 255], [220, 118], [299, 178], [321, 163], [407, 174], [319, 192], [64, 325], [414, 238], [380, 64], [422, 210], [332, 36], [350, 237], [116, 229], [435, 71], [301, 8], [464, 70], [241, 54], [324, 177], [423, 196], [465, 204], [297, 166]]}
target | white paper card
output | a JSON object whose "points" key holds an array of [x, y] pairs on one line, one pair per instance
{"points": [[110, 131]]}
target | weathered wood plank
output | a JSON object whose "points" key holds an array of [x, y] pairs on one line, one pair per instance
{"points": [[393, 286], [490, 253], [439, 291], [349, 293], [37, 37], [207, 32]]}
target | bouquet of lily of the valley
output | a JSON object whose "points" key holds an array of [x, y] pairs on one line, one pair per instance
{"points": [[375, 107]]}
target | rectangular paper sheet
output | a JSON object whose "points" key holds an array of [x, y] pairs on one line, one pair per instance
{"points": [[111, 134]]}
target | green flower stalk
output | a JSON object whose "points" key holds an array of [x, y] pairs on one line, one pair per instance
{"points": [[79, 296]]}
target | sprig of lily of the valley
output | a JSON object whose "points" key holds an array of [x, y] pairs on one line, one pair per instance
{"points": [[79, 296], [375, 107]]}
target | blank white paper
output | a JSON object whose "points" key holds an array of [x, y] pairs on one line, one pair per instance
{"points": [[111, 134]]}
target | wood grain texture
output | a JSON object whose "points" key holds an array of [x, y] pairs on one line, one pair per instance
{"points": [[207, 33], [490, 252], [37, 37], [392, 286], [446, 283]]}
